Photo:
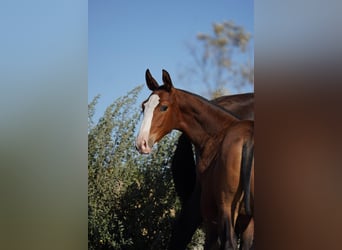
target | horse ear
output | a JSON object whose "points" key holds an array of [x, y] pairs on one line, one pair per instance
{"points": [[167, 80], [152, 84]]}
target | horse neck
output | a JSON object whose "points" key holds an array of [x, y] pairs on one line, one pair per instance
{"points": [[200, 120]]}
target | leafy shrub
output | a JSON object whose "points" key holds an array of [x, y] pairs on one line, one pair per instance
{"points": [[131, 198]]}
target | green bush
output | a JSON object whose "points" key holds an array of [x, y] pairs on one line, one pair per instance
{"points": [[131, 198]]}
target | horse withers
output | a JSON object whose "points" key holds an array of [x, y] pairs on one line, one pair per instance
{"points": [[225, 148]]}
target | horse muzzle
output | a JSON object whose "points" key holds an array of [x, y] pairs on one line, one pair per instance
{"points": [[144, 146]]}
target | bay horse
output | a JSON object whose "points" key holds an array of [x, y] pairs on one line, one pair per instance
{"points": [[225, 146], [184, 176]]}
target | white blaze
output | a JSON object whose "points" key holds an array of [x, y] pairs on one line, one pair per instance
{"points": [[144, 132]]}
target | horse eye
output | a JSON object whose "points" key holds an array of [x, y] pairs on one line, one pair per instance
{"points": [[163, 108]]}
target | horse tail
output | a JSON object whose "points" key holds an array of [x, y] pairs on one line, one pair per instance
{"points": [[246, 171]]}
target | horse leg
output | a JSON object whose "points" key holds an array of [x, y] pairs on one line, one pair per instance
{"points": [[211, 237], [248, 233], [227, 235], [246, 228], [235, 159], [228, 217], [187, 222], [248, 236]]}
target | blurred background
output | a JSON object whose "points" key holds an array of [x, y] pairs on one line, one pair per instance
{"points": [[46, 50]]}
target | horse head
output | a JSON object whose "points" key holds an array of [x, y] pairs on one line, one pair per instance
{"points": [[160, 113]]}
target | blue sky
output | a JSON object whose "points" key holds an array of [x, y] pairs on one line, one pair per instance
{"points": [[127, 37]]}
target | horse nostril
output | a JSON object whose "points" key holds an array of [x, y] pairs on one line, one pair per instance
{"points": [[144, 145], [141, 146]]}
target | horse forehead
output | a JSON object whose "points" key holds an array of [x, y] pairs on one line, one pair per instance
{"points": [[164, 95], [152, 102]]}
